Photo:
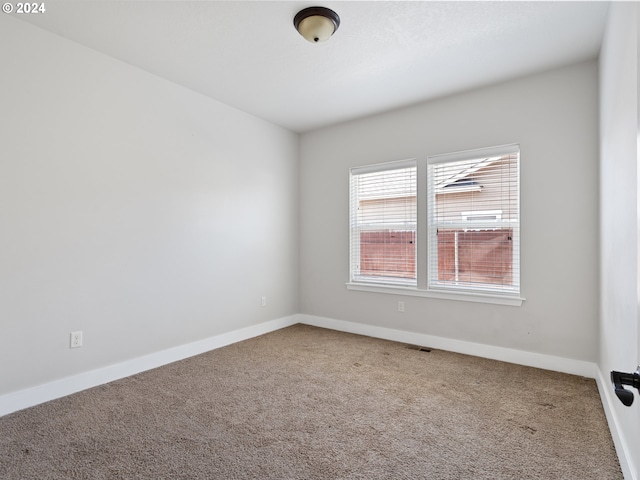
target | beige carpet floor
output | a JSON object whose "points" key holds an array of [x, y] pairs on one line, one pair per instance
{"points": [[310, 403]]}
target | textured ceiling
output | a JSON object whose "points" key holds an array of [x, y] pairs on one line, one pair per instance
{"points": [[384, 55]]}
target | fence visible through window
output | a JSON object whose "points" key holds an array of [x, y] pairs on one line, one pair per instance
{"points": [[475, 256], [388, 254]]}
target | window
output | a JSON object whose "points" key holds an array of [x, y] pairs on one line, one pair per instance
{"points": [[469, 224], [473, 221], [383, 224]]}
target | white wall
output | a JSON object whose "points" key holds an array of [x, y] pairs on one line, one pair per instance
{"points": [[619, 216], [554, 117], [133, 209]]}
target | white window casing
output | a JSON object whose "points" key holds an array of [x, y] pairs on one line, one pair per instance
{"points": [[474, 221], [383, 224], [444, 226]]}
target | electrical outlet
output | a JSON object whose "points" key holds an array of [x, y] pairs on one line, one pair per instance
{"points": [[263, 301], [401, 306], [76, 339]]}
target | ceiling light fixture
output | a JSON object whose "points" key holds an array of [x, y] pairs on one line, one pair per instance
{"points": [[316, 24]]}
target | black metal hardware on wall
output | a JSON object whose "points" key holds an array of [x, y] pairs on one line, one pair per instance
{"points": [[621, 378]]}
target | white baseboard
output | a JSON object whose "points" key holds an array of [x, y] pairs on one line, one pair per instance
{"points": [[29, 397], [19, 400], [622, 447], [530, 359]]}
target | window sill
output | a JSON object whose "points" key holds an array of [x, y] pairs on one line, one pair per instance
{"points": [[415, 292]]}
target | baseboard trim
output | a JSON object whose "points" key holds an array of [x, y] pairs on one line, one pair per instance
{"points": [[622, 447], [530, 359], [29, 397]]}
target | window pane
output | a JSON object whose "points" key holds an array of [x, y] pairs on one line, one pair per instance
{"points": [[474, 224], [383, 226]]}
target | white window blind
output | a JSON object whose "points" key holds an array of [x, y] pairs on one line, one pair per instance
{"points": [[383, 224], [474, 221]]}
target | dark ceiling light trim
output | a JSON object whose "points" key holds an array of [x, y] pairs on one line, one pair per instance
{"points": [[316, 24]]}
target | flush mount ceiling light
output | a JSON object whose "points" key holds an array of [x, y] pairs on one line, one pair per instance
{"points": [[316, 24]]}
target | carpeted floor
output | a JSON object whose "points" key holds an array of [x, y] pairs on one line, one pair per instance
{"points": [[309, 403]]}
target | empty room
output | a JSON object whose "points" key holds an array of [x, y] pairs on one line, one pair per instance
{"points": [[337, 240]]}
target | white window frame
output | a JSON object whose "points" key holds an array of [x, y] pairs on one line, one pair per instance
{"points": [[490, 154], [424, 196], [354, 246]]}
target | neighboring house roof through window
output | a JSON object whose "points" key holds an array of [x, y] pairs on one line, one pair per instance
{"points": [[462, 180]]}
